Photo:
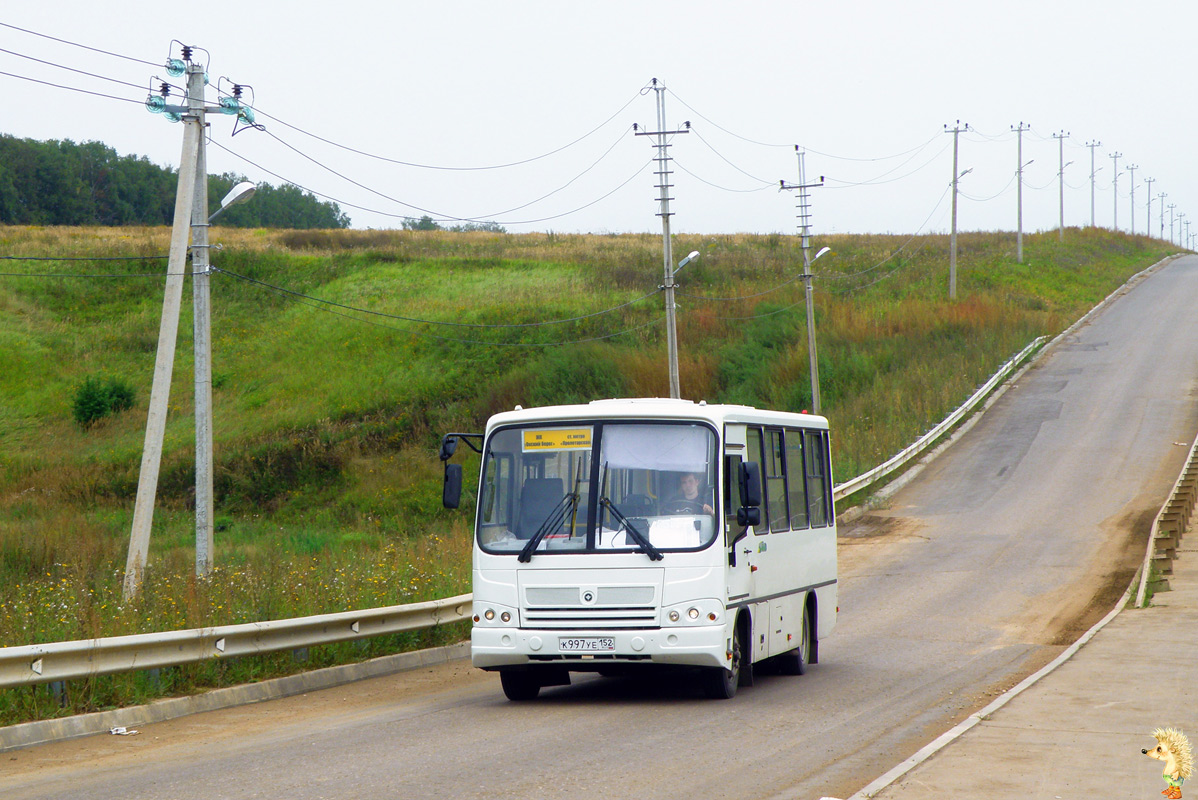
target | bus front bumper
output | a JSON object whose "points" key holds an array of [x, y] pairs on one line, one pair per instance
{"points": [[697, 646]]}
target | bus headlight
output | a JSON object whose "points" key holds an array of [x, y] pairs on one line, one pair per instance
{"points": [[696, 612], [494, 615]]}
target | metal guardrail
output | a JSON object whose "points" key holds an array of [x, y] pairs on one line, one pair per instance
{"points": [[865, 479], [1171, 523], [43, 663]]}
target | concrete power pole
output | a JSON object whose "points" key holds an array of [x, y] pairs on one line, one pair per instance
{"points": [[164, 362], [1093, 172], [1162, 197], [1019, 191], [1131, 168], [1115, 189], [804, 217], [1148, 224], [952, 246], [202, 326], [1171, 207], [663, 184], [1061, 137]]}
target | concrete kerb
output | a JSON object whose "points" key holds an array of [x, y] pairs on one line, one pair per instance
{"points": [[28, 734], [875, 499]]}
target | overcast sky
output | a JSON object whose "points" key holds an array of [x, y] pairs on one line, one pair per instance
{"points": [[866, 88]]}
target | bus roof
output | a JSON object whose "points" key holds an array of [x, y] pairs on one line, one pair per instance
{"points": [[656, 408]]}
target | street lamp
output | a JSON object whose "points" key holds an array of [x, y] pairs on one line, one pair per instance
{"points": [[671, 329], [201, 298], [814, 363], [240, 193]]}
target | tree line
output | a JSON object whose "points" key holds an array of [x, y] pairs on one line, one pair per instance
{"points": [[64, 183]]}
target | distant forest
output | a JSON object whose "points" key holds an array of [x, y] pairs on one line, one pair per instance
{"points": [[64, 183]]}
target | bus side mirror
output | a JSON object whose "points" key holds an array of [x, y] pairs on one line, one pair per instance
{"points": [[451, 491], [749, 478], [748, 516]]}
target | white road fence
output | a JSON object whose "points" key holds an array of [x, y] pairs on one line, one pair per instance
{"points": [[42, 663]]}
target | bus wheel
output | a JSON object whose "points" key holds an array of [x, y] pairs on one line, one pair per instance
{"points": [[794, 662], [720, 683], [519, 684]]}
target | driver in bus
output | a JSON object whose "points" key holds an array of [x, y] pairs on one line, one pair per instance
{"points": [[688, 501]]}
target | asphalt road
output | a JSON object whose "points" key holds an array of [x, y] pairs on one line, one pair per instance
{"points": [[1015, 540]]}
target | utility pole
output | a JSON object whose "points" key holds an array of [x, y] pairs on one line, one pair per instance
{"points": [[1131, 168], [1148, 224], [804, 217], [1061, 137], [168, 330], [1187, 240], [663, 184], [1019, 191], [1115, 189], [952, 246], [202, 346], [1162, 197], [1093, 172], [1171, 207], [1180, 241]]}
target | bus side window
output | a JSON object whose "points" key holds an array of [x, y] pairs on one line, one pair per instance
{"points": [[775, 480], [755, 454], [732, 499], [819, 496], [796, 474]]}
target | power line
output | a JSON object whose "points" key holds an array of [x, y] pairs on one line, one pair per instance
{"points": [[70, 88], [444, 167], [718, 186], [878, 180], [348, 204], [402, 318], [81, 258], [804, 147], [76, 44], [71, 69], [321, 306], [725, 159]]}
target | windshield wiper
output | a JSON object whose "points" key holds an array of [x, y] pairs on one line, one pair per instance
{"points": [[567, 505], [626, 524]]}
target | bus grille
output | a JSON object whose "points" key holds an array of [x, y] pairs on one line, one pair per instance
{"points": [[608, 607]]}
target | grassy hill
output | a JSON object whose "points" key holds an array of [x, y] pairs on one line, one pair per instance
{"points": [[327, 417]]}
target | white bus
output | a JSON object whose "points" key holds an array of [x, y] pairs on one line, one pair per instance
{"points": [[624, 533]]}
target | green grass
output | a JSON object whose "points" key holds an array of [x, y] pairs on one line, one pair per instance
{"points": [[326, 424]]}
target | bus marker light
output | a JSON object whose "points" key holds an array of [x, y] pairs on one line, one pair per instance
{"points": [[489, 614], [693, 613], [673, 616], [505, 616], [712, 616], [477, 618]]}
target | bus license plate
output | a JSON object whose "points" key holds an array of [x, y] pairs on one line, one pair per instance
{"points": [[587, 644]]}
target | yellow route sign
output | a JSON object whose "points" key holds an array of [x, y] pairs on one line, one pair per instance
{"points": [[559, 439]]}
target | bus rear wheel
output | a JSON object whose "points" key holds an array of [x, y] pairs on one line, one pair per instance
{"points": [[795, 662], [519, 684]]}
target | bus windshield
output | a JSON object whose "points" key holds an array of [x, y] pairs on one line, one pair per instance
{"points": [[598, 487]]}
